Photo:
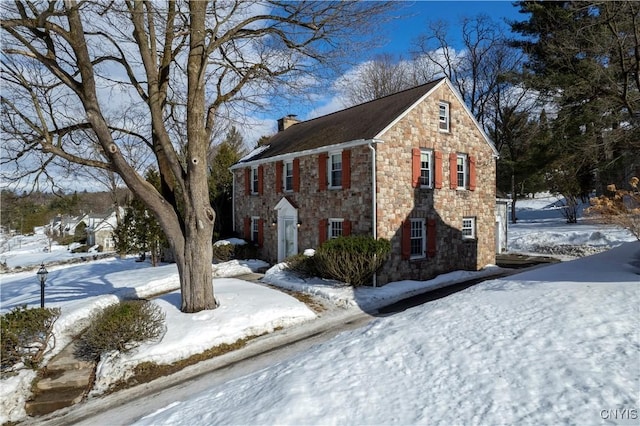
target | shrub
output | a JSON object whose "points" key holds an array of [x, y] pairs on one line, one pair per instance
{"points": [[122, 327], [223, 252], [352, 259], [619, 207], [302, 265], [25, 334], [246, 251]]}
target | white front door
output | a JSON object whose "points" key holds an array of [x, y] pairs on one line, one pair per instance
{"points": [[287, 229], [290, 236]]}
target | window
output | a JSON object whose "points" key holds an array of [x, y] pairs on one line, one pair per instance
{"points": [[335, 228], [418, 238], [254, 180], [335, 170], [288, 176], [255, 229], [468, 228], [443, 124], [426, 168], [462, 171]]}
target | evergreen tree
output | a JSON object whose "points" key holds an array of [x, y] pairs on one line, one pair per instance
{"points": [[140, 231], [584, 56], [224, 156]]}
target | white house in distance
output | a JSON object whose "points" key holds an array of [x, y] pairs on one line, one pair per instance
{"points": [[98, 227]]}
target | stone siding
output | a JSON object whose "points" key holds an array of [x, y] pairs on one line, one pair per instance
{"points": [[353, 204], [398, 201]]}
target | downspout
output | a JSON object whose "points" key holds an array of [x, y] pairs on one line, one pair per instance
{"points": [[374, 201], [233, 200]]}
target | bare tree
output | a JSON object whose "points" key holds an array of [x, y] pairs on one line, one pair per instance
{"points": [[479, 68], [376, 78], [72, 66]]}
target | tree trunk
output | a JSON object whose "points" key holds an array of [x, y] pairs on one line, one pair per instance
{"points": [[195, 259], [196, 276], [514, 197]]}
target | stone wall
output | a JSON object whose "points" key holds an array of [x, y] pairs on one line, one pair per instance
{"points": [[397, 200], [353, 204]]}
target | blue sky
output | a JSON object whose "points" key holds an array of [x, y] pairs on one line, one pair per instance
{"points": [[402, 31], [397, 37]]}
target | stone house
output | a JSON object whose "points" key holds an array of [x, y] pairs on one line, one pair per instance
{"points": [[414, 167]]}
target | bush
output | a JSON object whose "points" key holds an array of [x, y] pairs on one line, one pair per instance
{"points": [[302, 265], [224, 252], [246, 251], [619, 207], [25, 334], [352, 259], [122, 327]]}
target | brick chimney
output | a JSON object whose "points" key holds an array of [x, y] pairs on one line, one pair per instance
{"points": [[285, 122]]}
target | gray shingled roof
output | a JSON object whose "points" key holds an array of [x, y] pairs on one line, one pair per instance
{"points": [[363, 121]]}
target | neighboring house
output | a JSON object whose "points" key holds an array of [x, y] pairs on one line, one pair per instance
{"points": [[100, 229], [414, 167]]}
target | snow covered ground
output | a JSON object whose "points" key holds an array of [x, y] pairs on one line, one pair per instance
{"points": [[558, 344]]}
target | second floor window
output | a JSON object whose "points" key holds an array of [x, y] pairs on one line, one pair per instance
{"points": [[287, 176], [335, 170], [426, 168], [462, 170], [443, 122], [254, 180]]}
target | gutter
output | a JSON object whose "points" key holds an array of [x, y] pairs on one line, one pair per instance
{"points": [[292, 155], [374, 198], [233, 200]]}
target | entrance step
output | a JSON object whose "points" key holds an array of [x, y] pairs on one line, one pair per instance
{"points": [[48, 402], [65, 381]]}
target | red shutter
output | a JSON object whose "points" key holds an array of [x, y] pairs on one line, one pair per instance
{"points": [[406, 239], [431, 237], [322, 231], [453, 170], [346, 228], [260, 232], [437, 168], [415, 167], [278, 185], [346, 169], [260, 179], [296, 175], [472, 173], [322, 171], [247, 228], [247, 181]]}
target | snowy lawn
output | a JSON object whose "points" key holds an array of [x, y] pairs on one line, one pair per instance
{"points": [[555, 345], [558, 344]]}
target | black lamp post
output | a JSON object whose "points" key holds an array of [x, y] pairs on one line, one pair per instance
{"points": [[42, 275]]}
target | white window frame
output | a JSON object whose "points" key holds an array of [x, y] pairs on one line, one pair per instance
{"points": [[429, 170], [443, 116], [287, 179], [468, 228], [255, 228], [331, 170], [462, 171], [418, 233], [335, 228], [254, 180]]}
